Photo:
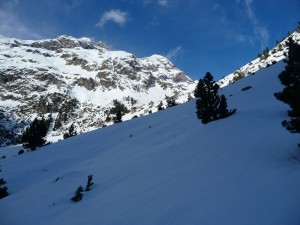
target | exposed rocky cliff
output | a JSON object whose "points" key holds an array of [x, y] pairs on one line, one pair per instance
{"points": [[76, 81]]}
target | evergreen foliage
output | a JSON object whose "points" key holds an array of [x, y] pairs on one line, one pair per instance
{"points": [[34, 135], [78, 195], [118, 106], [171, 101], [7, 136], [160, 106], [210, 106], [21, 152], [72, 132], [290, 78], [89, 183], [290, 95], [266, 53], [3, 190], [118, 118]]}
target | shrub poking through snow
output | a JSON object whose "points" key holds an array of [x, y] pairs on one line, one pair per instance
{"points": [[21, 152], [89, 183], [78, 194]]}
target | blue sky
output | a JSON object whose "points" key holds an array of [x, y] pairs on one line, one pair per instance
{"points": [[196, 35]]}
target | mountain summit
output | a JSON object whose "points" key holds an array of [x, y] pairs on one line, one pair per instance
{"points": [[79, 80]]}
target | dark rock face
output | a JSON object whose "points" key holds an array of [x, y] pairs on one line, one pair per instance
{"points": [[65, 42], [8, 78], [89, 84]]}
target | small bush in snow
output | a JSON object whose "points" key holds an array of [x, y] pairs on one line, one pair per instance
{"points": [[89, 183], [78, 194], [21, 152]]}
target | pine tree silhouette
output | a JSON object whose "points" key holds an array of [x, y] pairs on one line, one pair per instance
{"points": [[208, 104], [290, 95], [72, 132], [118, 118], [34, 135]]}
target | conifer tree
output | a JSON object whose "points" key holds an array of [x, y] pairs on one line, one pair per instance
{"points": [[290, 78], [118, 118], [170, 101], [208, 104], [160, 106], [72, 132], [34, 135], [223, 112], [290, 95]]}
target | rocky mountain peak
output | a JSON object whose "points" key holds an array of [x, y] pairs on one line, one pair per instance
{"points": [[66, 41], [78, 81]]}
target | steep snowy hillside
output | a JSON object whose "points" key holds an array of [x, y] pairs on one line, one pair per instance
{"points": [[167, 168], [266, 59], [76, 80]]}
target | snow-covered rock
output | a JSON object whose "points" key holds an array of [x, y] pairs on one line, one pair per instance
{"points": [[76, 80], [274, 55]]}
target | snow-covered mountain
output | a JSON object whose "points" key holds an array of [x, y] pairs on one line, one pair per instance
{"points": [[76, 80], [267, 58], [167, 168]]}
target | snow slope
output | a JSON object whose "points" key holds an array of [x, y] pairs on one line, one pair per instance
{"points": [[167, 168]]}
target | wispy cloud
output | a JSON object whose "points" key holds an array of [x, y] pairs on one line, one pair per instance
{"points": [[11, 25], [8, 4], [171, 55], [163, 2], [115, 15], [160, 2], [260, 32], [73, 4], [146, 2]]}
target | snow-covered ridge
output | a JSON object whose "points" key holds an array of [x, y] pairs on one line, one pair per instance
{"points": [[78, 79], [274, 55]]}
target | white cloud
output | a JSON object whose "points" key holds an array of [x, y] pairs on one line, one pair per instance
{"points": [[260, 32], [146, 2], [8, 4], [216, 6], [11, 25], [171, 55], [73, 4], [115, 15], [163, 2]]}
